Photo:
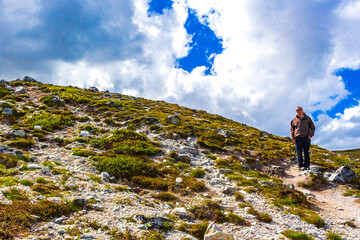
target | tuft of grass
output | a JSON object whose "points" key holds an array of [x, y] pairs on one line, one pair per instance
{"points": [[295, 235], [166, 196], [127, 142], [83, 152], [15, 194], [21, 143], [333, 236], [26, 182], [264, 217], [236, 219], [197, 230], [49, 122], [8, 181], [198, 173], [350, 224], [239, 196]]}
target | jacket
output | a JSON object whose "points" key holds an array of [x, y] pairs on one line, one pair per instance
{"points": [[302, 127]]}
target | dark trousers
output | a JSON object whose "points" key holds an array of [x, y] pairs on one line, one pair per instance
{"points": [[303, 144]]}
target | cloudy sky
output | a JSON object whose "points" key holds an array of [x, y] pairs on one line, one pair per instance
{"points": [[251, 60]]}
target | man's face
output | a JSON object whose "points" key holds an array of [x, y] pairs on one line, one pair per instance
{"points": [[299, 111]]}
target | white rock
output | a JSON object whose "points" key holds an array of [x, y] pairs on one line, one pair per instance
{"points": [[179, 180], [34, 166], [215, 233], [84, 134]]}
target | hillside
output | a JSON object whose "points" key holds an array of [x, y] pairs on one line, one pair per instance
{"points": [[81, 163]]}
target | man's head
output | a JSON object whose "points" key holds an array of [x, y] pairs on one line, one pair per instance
{"points": [[299, 111]]}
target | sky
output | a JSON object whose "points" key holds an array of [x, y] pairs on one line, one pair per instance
{"points": [[253, 61]]}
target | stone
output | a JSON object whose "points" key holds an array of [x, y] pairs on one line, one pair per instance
{"points": [[93, 89], [8, 111], [105, 176], [59, 220], [37, 127], [20, 90], [225, 171], [229, 191], [34, 166], [84, 133], [113, 179], [37, 218], [9, 88], [3, 81], [80, 202], [18, 133], [174, 119], [215, 233], [181, 212], [29, 79], [57, 99], [179, 180], [46, 171], [342, 174], [87, 236], [20, 163], [61, 231], [223, 132]]}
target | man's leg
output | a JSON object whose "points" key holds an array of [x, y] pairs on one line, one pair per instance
{"points": [[299, 147], [306, 146]]}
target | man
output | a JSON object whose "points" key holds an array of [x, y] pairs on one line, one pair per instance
{"points": [[302, 130]]}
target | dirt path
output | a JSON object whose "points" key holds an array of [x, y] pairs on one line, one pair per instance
{"points": [[330, 200]]}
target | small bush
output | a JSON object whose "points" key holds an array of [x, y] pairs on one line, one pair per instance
{"points": [[21, 143], [350, 224], [333, 236], [49, 122], [294, 235], [83, 152], [26, 182], [46, 189], [197, 230], [198, 173], [239, 196], [156, 183], [15, 194], [166, 196], [315, 219], [236, 219]]}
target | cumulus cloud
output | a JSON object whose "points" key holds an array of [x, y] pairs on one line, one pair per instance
{"points": [[277, 55]]}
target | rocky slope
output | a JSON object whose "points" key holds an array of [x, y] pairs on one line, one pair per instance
{"points": [[84, 164]]}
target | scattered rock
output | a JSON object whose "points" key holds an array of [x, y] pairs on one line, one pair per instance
{"points": [[229, 191], [81, 202], [8, 111], [59, 220], [113, 179], [84, 133], [215, 233], [174, 119], [34, 166], [105, 177], [20, 90], [37, 127], [18, 133], [57, 99], [93, 89], [181, 212], [179, 180], [46, 171], [343, 174], [29, 79]]}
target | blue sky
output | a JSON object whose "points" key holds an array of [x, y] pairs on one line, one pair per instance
{"points": [[252, 60]]}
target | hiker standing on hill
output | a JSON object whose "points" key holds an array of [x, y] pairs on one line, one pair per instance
{"points": [[302, 130]]}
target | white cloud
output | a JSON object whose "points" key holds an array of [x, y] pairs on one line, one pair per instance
{"points": [[277, 55]]}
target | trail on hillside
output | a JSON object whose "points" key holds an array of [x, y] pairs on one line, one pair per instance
{"points": [[329, 200]]}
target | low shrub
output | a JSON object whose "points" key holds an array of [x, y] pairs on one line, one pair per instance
{"points": [[198, 173], [155, 183], [21, 143], [197, 230], [333, 236], [294, 235], [49, 122], [15, 194], [83, 152], [166, 196]]}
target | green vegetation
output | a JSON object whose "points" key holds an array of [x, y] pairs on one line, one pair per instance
{"points": [[294, 235], [16, 218], [333, 236], [15, 194], [263, 217], [166, 196], [197, 230], [83, 152], [212, 211], [127, 142], [50, 122], [198, 173]]}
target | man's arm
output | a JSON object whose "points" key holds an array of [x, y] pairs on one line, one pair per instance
{"points": [[312, 127], [292, 135]]}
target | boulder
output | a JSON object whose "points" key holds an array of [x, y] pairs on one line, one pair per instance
{"points": [[229, 191], [34, 166], [93, 89], [105, 176], [84, 133], [18, 133], [174, 119], [181, 212], [80, 202], [20, 90], [37, 127], [46, 171], [215, 233], [343, 174], [56, 99], [9, 87], [29, 79], [3, 81]]}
